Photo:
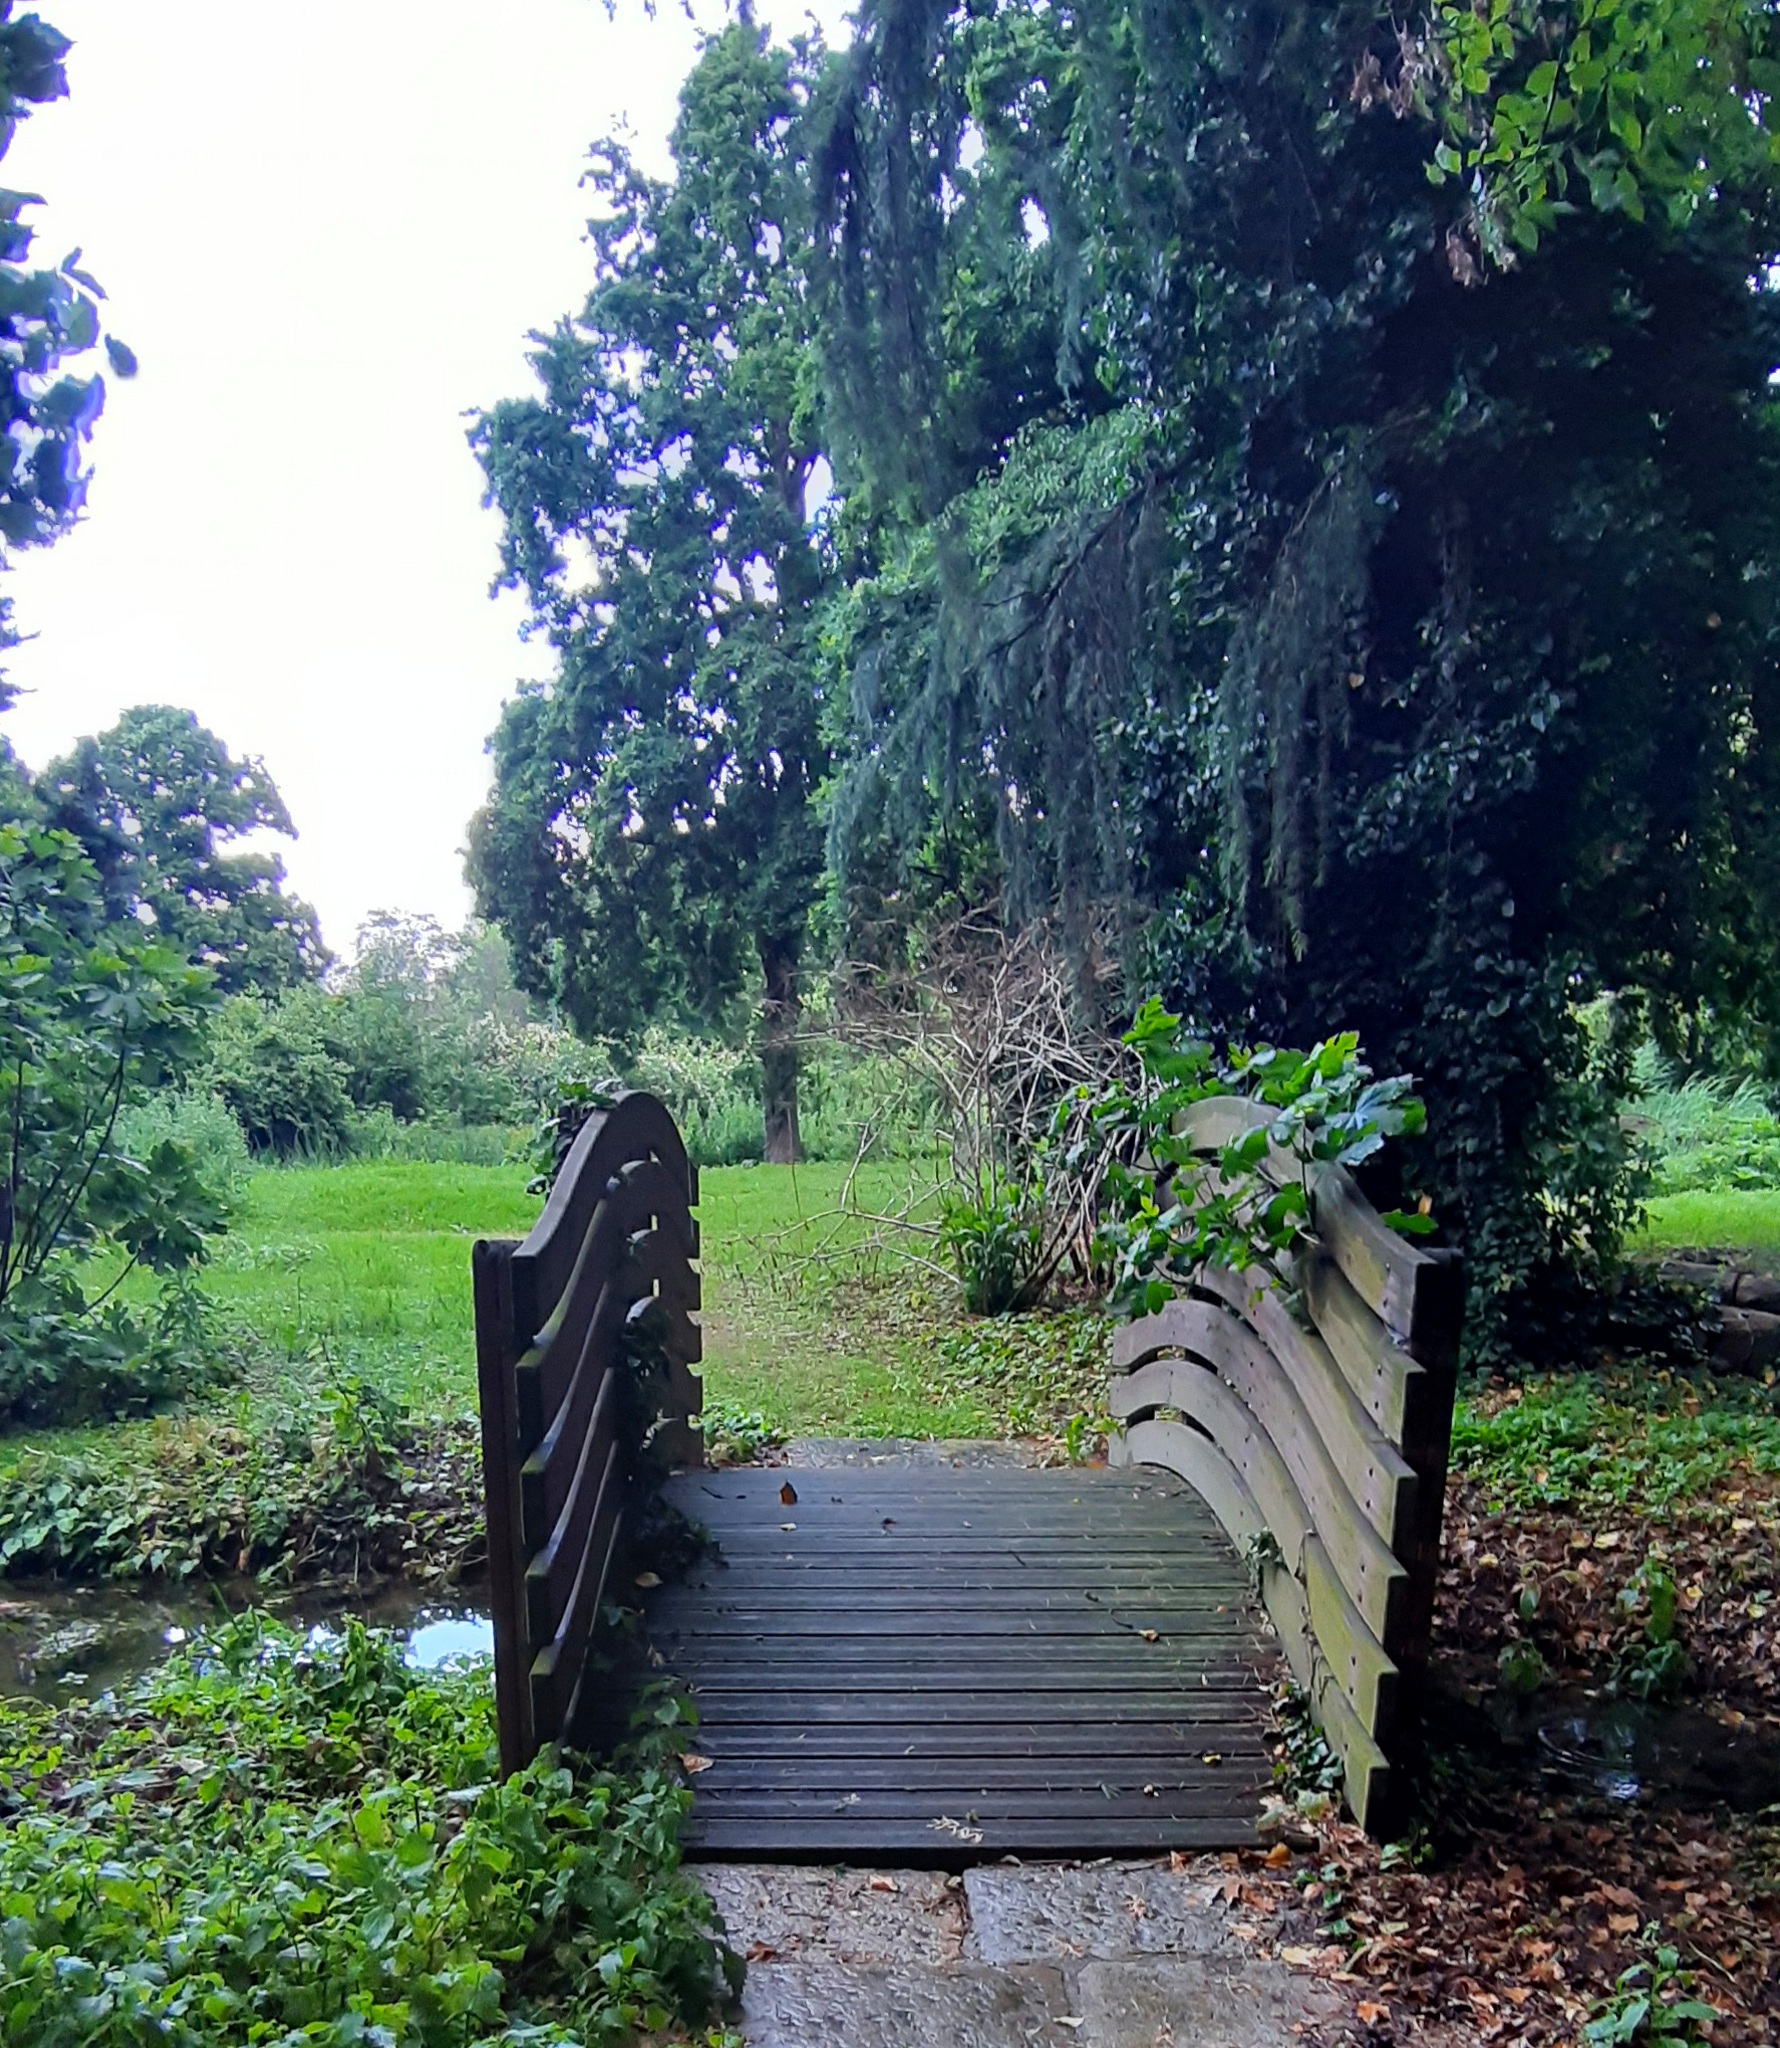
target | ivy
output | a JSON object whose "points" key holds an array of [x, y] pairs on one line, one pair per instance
{"points": [[280, 1838]]}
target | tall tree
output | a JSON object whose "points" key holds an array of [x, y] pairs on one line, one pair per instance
{"points": [[159, 804], [1393, 628], [652, 847]]}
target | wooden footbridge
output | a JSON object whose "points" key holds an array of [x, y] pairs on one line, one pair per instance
{"points": [[945, 1659]]}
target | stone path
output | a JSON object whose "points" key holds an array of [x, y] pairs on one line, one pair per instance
{"points": [[1101, 1955]]}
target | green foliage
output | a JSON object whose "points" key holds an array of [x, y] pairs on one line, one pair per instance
{"points": [[338, 1478], [91, 1020], [271, 1065], [1000, 1245], [1621, 105], [1706, 1132], [652, 848], [737, 1436], [157, 802], [1232, 638], [1173, 1210], [47, 318], [1598, 1441], [1521, 1666], [279, 1837], [1657, 1667], [1651, 2004], [201, 1124]]}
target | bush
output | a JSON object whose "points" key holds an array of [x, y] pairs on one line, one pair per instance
{"points": [[328, 1854], [343, 1482], [271, 1065], [203, 1124], [92, 1021], [1000, 1246]]}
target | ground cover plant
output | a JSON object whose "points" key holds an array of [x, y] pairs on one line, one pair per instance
{"points": [[279, 1837]]}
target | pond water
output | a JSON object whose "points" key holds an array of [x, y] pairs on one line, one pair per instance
{"points": [[1628, 1749], [59, 1643]]}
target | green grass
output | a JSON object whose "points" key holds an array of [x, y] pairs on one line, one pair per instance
{"points": [[1739, 1219], [369, 1265], [821, 1323]]}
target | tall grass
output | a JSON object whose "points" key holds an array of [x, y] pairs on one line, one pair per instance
{"points": [[1707, 1133]]}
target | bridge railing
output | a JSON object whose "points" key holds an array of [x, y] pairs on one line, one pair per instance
{"points": [[1315, 1422], [585, 1343]]}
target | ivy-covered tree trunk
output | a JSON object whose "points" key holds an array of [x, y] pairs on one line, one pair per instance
{"points": [[778, 1054]]}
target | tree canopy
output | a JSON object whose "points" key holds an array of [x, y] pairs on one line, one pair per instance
{"points": [[1387, 633], [47, 317], [160, 805], [652, 847]]}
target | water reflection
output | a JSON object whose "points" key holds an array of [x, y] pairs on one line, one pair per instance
{"points": [[59, 1643]]}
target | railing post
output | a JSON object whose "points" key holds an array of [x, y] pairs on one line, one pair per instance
{"points": [[491, 1268]]}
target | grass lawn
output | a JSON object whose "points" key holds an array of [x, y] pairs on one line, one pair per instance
{"points": [[368, 1266], [1742, 1219]]}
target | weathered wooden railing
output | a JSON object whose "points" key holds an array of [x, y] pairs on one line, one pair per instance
{"points": [[1317, 1430], [585, 1345]]}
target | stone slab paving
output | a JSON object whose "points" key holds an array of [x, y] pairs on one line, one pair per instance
{"points": [[1102, 1955]]}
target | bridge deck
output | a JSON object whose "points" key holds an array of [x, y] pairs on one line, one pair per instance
{"points": [[947, 1663]]}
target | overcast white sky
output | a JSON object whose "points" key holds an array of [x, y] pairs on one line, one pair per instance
{"points": [[325, 229]]}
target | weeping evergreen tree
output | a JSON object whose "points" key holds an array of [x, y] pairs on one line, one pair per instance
{"points": [[1382, 619]]}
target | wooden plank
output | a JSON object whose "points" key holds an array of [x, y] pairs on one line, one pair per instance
{"points": [[1387, 1382], [1380, 1479], [1177, 1795], [925, 1624], [1412, 1290], [1008, 1593], [621, 1217], [1199, 1461], [842, 1747], [588, 1518], [1049, 1675], [1363, 1669], [1391, 1276], [635, 1129], [1236, 1435], [1376, 1582], [559, 1668], [978, 1774], [548, 1475], [917, 1844]]}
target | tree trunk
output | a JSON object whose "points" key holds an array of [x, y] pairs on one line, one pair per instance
{"points": [[778, 1056]]}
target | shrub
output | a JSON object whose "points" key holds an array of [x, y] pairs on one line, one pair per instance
{"points": [[92, 1022], [1000, 1246], [343, 1482], [1705, 1132], [271, 1065], [202, 1123]]}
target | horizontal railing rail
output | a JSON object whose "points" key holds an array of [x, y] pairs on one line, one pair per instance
{"points": [[1313, 1412], [585, 1344]]}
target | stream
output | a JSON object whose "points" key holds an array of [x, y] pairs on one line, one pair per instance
{"points": [[59, 1643]]}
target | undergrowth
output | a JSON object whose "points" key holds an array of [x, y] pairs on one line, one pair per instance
{"points": [[1620, 1438], [278, 1839], [342, 1481]]}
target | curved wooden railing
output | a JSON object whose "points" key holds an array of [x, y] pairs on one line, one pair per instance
{"points": [[1316, 1426], [585, 1345]]}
